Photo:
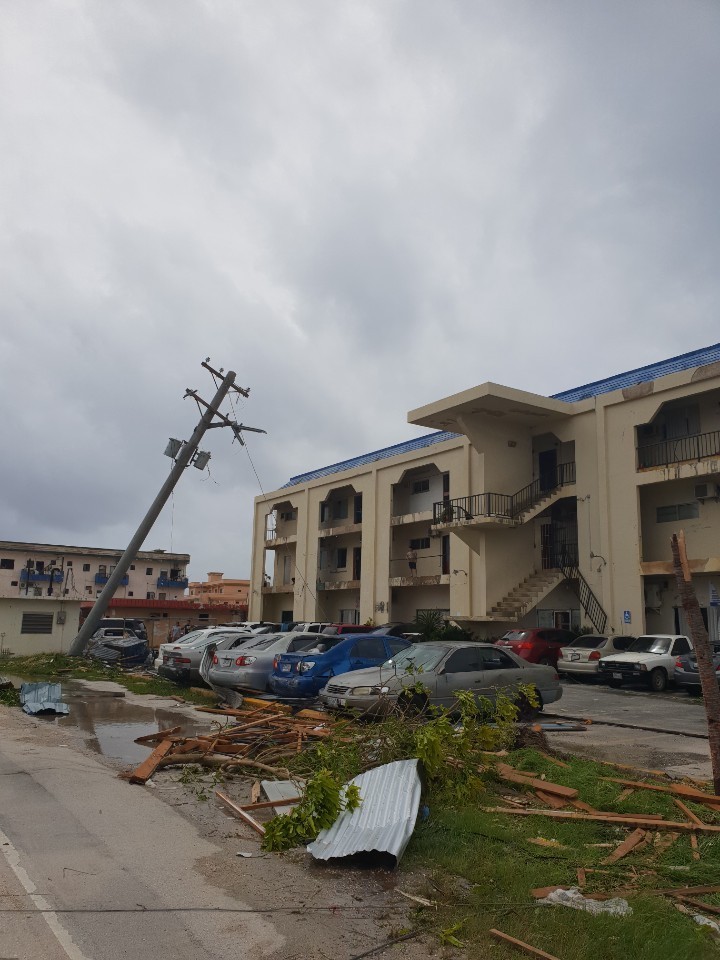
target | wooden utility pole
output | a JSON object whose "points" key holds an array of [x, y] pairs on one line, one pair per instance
{"points": [[703, 651]]}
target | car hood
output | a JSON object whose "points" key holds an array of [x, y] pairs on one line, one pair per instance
{"points": [[637, 657], [370, 677]]}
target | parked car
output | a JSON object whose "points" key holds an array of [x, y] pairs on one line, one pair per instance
{"points": [[396, 629], [537, 645], [250, 668], [343, 629], [650, 659], [304, 674], [182, 662], [687, 675], [581, 657], [444, 667], [308, 627], [165, 648], [119, 646]]}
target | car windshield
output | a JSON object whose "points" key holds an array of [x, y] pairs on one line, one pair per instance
{"points": [[588, 643], [516, 635], [650, 645], [189, 637], [420, 656]]}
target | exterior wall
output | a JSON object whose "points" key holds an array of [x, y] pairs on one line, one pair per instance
{"points": [[219, 590], [608, 510], [78, 583], [64, 615]]}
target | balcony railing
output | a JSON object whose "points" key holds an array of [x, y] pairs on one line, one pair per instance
{"points": [[34, 577], [676, 450], [503, 505], [430, 565], [100, 578], [169, 584]]}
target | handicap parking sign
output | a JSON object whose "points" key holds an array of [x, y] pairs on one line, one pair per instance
{"points": [[627, 618]]}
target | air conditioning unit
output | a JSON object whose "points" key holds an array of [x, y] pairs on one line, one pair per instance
{"points": [[705, 491]]}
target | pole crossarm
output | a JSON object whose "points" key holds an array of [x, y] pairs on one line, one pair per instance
{"points": [[236, 427]]}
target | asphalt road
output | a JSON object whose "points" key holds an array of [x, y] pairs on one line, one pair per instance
{"points": [[657, 731]]}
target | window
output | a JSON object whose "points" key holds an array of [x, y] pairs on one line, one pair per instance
{"points": [[40, 565], [420, 543], [148, 571], [357, 510], [102, 569], [150, 595], [466, 660], [395, 646], [677, 511], [341, 558], [7, 564], [421, 486], [288, 515], [496, 660], [86, 568], [324, 512], [162, 596], [14, 583], [163, 573], [68, 563], [36, 623], [371, 648], [132, 566], [340, 510], [680, 647], [130, 593], [88, 590], [349, 616]]}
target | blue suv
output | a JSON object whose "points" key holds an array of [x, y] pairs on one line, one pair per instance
{"points": [[305, 674]]}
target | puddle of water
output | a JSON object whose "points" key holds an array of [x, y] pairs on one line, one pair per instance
{"points": [[111, 724]]}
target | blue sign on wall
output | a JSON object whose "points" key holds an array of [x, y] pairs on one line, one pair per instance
{"points": [[627, 618]]}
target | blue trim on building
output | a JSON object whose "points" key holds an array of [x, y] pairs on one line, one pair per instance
{"points": [[686, 361], [395, 451]]}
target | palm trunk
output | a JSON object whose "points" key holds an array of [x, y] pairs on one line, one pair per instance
{"points": [[703, 652]]}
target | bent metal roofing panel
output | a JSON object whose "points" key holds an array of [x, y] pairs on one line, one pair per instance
{"points": [[619, 381]]}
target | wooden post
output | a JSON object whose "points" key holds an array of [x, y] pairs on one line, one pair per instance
{"points": [[703, 652]]}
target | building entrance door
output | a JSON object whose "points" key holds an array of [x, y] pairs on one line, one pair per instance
{"points": [[547, 464]]}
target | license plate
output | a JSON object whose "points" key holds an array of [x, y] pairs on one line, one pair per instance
{"points": [[285, 667], [617, 676], [333, 702], [574, 656]]}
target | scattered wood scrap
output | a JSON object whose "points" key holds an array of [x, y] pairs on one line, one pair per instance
{"points": [[521, 945], [239, 812], [511, 775], [677, 789], [600, 817], [628, 845], [688, 812], [148, 767], [158, 735]]}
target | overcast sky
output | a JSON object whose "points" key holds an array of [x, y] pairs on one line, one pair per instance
{"points": [[360, 207]]}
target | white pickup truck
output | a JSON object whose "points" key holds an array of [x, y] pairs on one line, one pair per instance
{"points": [[650, 659]]}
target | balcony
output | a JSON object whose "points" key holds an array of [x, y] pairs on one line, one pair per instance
{"points": [[100, 578], [35, 577], [337, 585], [168, 584], [502, 509], [278, 588], [432, 571], [698, 446]]}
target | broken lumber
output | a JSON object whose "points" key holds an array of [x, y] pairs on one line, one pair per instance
{"points": [[521, 945], [694, 845], [147, 768], [628, 845], [698, 904], [602, 817], [688, 812], [158, 736], [678, 789], [239, 812], [557, 803], [545, 786], [625, 794], [264, 804], [665, 842], [548, 756]]}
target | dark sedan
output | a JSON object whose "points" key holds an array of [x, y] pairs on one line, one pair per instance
{"points": [[686, 672]]}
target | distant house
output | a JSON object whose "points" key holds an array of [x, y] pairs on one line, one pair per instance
{"points": [[216, 589]]}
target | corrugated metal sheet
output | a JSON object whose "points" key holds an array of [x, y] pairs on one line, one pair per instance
{"points": [[395, 451], [385, 819], [619, 381], [42, 698]]}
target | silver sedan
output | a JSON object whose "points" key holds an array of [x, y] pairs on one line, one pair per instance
{"points": [[250, 668], [443, 668]]}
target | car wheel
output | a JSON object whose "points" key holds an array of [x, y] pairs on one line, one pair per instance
{"points": [[546, 662], [412, 704], [658, 680]]}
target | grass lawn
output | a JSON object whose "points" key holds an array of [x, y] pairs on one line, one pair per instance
{"points": [[481, 868], [57, 667]]}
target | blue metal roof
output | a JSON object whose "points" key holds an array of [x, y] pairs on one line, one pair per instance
{"points": [[686, 361], [696, 358], [395, 451]]}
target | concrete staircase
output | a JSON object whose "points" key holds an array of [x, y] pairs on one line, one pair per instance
{"points": [[526, 595], [542, 504]]}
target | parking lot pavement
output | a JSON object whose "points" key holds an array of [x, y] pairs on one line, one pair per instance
{"points": [[671, 712]]}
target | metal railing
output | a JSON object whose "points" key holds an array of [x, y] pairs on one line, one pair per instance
{"points": [[504, 505], [560, 554], [35, 576], [589, 602], [677, 449], [429, 565]]}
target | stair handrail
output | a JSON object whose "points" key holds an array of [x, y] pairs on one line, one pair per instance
{"points": [[589, 602]]}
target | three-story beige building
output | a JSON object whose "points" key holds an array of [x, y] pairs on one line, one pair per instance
{"points": [[519, 509]]}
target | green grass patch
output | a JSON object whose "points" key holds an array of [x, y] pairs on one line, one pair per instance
{"points": [[58, 667], [482, 867]]}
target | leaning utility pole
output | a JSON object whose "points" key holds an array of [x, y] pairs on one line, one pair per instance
{"points": [[183, 456], [703, 651]]}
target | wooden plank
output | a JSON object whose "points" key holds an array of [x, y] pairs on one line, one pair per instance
{"points": [[694, 845], [157, 737], [255, 791], [698, 904], [264, 804], [626, 847], [581, 805], [602, 817], [558, 763], [581, 877], [312, 715], [147, 768], [239, 812], [688, 812], [522, 946], [513, 776], [557, 803], [665, 842], [625, 794], [678, 789]]}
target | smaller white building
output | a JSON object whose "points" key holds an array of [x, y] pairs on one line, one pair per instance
{"points": [[30, 625]]}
